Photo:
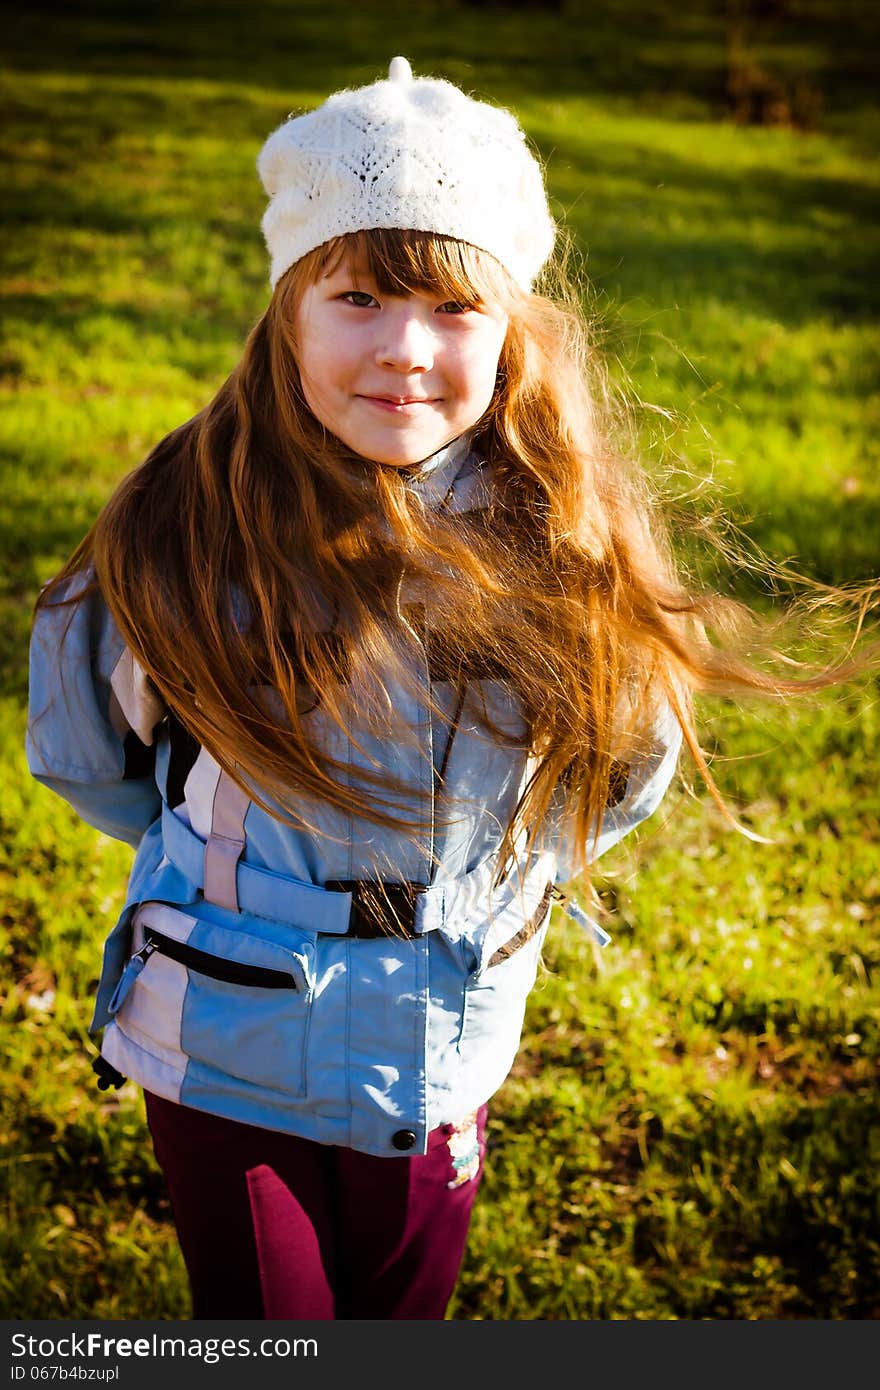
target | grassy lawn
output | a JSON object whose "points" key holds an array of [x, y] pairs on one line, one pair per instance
{"points": [[692, 1129]]}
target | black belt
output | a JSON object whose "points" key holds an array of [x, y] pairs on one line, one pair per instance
{"points": [[379, 909]]}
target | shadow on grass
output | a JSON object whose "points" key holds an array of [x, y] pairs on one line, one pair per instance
{"points": [[768, 1212], [643, 50], [778, 244]]}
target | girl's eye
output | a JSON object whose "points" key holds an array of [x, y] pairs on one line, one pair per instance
{"points": [[454, 306], [359, 298]]}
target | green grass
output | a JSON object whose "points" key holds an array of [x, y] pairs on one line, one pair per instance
{"points": [[692, 1128]]}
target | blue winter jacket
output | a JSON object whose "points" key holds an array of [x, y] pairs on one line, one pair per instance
{"points": [[231, 981]]}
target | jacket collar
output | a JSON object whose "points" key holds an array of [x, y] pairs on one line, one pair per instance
{"points": [[454, 471]]}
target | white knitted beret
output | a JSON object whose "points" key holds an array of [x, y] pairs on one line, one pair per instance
{"points": [[404, 152]]}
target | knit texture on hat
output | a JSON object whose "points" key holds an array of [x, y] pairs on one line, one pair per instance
{"points": [[412, 153]]}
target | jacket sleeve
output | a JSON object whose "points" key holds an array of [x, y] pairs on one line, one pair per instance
{"points": [[91, 717], [644, 784]]}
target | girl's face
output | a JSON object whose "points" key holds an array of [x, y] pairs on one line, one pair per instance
{"points": [[395, 377]]}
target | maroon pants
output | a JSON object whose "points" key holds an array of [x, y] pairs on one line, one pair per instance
{"points": [[273, 1226]]}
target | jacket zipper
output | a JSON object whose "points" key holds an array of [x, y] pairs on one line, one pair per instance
{"points": [[577, 914], [228, 971], [231, 972]]}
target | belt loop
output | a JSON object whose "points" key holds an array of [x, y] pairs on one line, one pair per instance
{"points": [[225, 843]]}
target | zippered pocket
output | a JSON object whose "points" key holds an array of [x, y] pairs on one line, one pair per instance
{"points": [[237, 1004], [232, 972]]}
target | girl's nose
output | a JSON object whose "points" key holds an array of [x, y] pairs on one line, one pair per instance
{"points": [[405, 342]]}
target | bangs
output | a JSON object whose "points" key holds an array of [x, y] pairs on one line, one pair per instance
{"points": [[403, 261]]}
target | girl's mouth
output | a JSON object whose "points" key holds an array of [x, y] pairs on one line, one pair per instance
{"points": [[399, 404]]}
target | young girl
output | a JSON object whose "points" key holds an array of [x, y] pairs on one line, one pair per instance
{"points": [[364, 660]]}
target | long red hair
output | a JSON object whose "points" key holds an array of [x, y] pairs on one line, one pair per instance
{"points": [[254, 565]]}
